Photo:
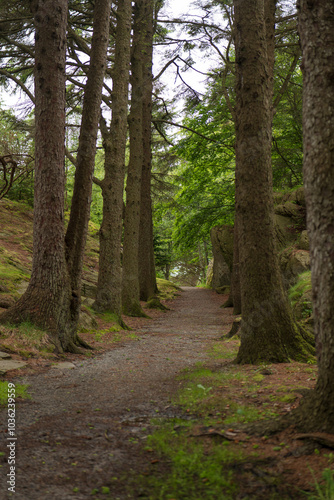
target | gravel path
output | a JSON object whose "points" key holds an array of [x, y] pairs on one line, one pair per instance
{"points": [[84, 428]]}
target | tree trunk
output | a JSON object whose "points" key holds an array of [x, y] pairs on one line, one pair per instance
{"points": [[316, 27], [76, 234], [130, 286], [109, 286], [47, 300], [235, 278], [268, 331], [147, 278]]}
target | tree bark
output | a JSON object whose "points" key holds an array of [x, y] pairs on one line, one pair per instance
{"points": [[47, 300], [268, 331], [109, 286], [147, 277], [235, 278], [76, 233], [316, 27], [130, 286]]}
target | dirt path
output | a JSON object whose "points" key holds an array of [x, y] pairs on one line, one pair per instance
{"points": [[85, 427]]}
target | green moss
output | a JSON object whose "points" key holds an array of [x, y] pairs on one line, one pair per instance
{"points": [[194, 472], [300, 294], [20, 391], [12, 273]]}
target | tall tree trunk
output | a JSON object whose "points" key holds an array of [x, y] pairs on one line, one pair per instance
{"points": [[48, 297], [147, 277], [109, 286], [235, 278], [130, 286], [316, 27], [268, 331], [76, 233]]}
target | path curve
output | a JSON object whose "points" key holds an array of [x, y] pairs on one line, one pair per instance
{"points": [[87, 425]]}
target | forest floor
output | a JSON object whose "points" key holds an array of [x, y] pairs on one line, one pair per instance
{"points": [[158, 413]]}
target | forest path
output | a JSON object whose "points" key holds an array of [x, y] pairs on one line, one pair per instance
{"points": [[85, 426]]}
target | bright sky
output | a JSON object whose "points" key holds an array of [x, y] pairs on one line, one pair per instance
{"points": [[172, 8]]}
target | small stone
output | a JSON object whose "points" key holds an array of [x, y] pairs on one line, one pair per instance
{"points": [[5, 365], [5, 355], [66, 365]]}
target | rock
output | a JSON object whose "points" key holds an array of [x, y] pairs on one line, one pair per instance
{"points": [[22, 287], [293, 263], [288, 209], [88, 302], [86, 319], [223, 290], [5, 355], [303, 242], [64, 365], [222, 249], [7, 365], [88, 289], [286, 234]]}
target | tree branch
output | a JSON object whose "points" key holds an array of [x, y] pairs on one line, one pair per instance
{"points": [[194, 132], [19, 83]]}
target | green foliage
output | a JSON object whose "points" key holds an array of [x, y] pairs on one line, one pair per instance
{"points": [[300, 294], [324, 490], [205, 172], [16, 150], [20, 391], [302, 286], [194, 472]]}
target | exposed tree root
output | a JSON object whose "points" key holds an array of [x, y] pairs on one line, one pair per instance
{"points": [[154, 303], [234, 329]]}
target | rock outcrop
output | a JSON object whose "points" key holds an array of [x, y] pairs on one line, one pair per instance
{"points": [[222, 249], [291, 237]]}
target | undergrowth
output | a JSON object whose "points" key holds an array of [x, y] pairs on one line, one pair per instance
{"points": [[20, 391], [196, 471], [325, 489]]}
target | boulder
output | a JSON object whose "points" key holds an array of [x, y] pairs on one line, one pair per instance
{"points": [[88, 289], [285, 231], [86, 319], [292, 263], [303, 241], [222, 249]]}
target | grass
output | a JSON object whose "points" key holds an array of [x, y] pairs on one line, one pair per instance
{"points": [[194, 471], [20, 391], [325, 489], [25, 339]]}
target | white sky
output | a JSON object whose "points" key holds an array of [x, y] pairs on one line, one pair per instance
{"points": [[172, 9]]}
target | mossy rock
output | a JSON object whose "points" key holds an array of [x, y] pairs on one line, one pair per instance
{"points": [[288, 209], [223, 290], [86, 319], [303, 242]]}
